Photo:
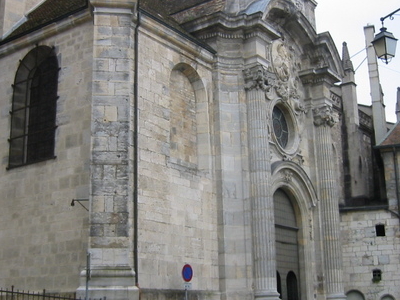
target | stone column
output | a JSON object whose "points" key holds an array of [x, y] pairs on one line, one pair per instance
{"points": [[111, 199], [332, 253], [260, 178]]}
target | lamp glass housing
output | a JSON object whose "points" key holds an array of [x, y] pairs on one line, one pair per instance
{"points": [[385, 45]]}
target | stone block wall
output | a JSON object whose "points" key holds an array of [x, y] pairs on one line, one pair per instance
{"points": [[364, 251], [44, 238], [177, 200]]}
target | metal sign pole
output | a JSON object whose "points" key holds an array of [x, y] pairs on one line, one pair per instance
{"points": [[186, 293]]}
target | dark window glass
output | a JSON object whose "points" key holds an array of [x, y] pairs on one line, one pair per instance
{"points": [[280, 126], [33, 115], [380, 230], [376, 275]]}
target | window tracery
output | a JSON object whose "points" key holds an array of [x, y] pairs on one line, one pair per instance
{"points": [[33, 112]]}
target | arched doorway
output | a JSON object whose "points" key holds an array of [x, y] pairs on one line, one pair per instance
{"points": [[287, 248], [278, 284], [292, 286], [387, 297]]}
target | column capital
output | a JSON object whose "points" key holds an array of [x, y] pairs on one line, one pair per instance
{"points": [[256, 77], [324, 116]]}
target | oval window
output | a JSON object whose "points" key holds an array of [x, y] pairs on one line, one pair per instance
{"points": [[280, 125]]}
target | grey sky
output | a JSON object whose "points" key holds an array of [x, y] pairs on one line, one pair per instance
{"points": [[345, 20]]}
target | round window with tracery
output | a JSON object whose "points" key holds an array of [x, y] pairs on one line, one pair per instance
{"points": [[280, 125]]}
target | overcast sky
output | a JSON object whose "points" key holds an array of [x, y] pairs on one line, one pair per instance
{"points": [[345, 20]]}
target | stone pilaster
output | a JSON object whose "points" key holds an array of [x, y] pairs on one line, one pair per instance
{"points": [[332, 253], [111, 198], [260, 179]]}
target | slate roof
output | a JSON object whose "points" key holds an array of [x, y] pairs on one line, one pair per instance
{"points": [[258, 6], [174, 6], [184, 11], [159, 10], [51, 11], [393, 137], [46, 13]]}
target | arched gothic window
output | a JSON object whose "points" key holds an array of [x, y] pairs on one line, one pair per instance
{"points": [[33, 112]]}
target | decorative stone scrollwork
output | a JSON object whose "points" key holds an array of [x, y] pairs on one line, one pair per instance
{"points": [[287, 158], [323, 116], [300, 158], [287, 85]]}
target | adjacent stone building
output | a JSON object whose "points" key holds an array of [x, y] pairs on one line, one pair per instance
{"points": [[143, 135]]}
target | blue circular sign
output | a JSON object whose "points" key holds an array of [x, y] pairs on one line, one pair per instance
{"points": [[187, 272]]}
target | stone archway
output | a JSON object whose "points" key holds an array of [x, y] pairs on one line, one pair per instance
{"points": [[189, 117], [293, 187], [287, 245]]}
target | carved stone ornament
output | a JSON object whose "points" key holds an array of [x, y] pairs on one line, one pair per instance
{"points": [[256, 78], [310, 228], [300, 159], [299, 5], [287, 175], [287, 85], [287, 158], [323, 116], [281, 60], [280, 80]]}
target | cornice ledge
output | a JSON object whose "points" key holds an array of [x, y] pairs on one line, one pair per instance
{"points": [[114, 4], [44, 33], [228, 23], [324, 74]]}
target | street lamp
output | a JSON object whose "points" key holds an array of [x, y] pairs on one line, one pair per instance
{"points": [[384, 42], [385, 45]]}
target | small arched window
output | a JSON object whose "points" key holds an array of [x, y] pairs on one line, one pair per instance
{"points": [[376, 275], [33, 112]]}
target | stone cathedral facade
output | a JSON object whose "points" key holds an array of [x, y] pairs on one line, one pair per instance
{"points": [[139, 136]]}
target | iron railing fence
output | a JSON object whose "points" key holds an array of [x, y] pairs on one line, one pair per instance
{"points": [[13, 294]]}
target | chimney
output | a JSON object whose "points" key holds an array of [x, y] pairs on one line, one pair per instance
{"points": [[378, 107]]}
